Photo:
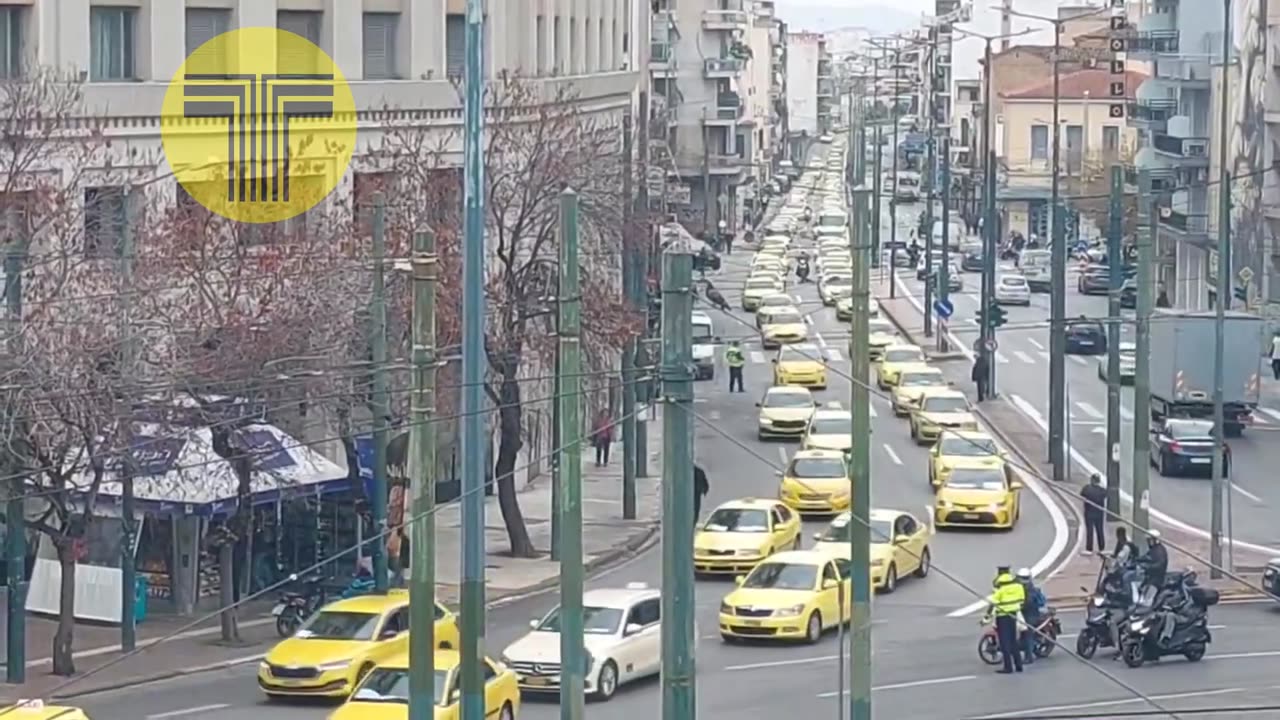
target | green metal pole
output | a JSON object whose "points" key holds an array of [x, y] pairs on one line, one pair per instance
{"points": [[379, 406], [572, 652], [15, 263], [927, 178], [128, 511], [1115, 235], [1058, 289], [422, 482], [893, 185], [876, 162], [475, 440], [678, 671], [1142, 353], [629, 351], [944, 272], [643, 395], [557, 440], [860, 471], [1223, 303]]}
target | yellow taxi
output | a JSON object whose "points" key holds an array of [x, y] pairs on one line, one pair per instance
{"points": [[800, 364], [881, 334], [899, 545], [770, 302], [740, 533], [913, 381], [37, 710], [783, 326], [335, 648], [816, 482], [757, 287], [830, 428], [963, 447], [784, 412], [384, 694], [893, 359], [975, 494], [790, 596], [844, 309], [940, 410]]}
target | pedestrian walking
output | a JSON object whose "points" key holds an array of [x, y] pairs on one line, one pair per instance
{"points": [[1095, 514], [981, 375], [734, 358], [602, 437], [1006, 602], [1275, 355], [700, 488]]}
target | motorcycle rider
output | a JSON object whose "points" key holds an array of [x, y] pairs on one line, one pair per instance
{"points": [[1155, 561], [1121, 571], [1175, 607], [802, 267], [1033, 606]]}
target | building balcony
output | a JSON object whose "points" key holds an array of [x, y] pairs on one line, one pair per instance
{"points": [[1152, 114], [1152, 43], [728, 68], [1162, 179], [1191, 226], [824, 68], [720, 164], [728, 111], [725, 20], [1192, 151], [662, 61]]}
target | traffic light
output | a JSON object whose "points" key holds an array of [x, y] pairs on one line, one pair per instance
{"points": [[996, 316], [1241, 293]]}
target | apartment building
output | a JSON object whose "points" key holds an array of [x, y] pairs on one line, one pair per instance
{"points": [[805, 114], [964, 132], [1173, 113]]}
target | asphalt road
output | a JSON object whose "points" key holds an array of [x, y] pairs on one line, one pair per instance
{"points": [[1022, 378]]}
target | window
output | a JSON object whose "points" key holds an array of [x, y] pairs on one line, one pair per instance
{"points": [[1111, 138], [11, 22], [104, 220], [964, 131], [304, 24], [842, 567], [646, 612], [489, 673], [111, 43], [829, 573], [380, 45], [541, 60], [1075, 148], [455, 43], [1039, 142], [557, 58], [203, 25]]}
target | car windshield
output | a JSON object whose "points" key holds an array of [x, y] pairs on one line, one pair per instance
{"points": [[595, 621], [784, 318], [1035, 259], [838, 530], [976, 479], [817, 468], [1013, 282], [800, 353], [760, 284], [904, 355], [946, 404], [832, 426], [782, 576], [1081, 328], [921, 379], [339, 625], [701, 332], [1182, 429], [776, 301], [391, 685], [879, 326], [968, 447], [737, 520], [788, 400]]}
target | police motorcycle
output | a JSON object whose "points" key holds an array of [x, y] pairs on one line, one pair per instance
{"points": [[1174, 622], [1106, 609]]}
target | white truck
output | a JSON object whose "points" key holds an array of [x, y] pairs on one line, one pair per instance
{"points": [[1182, 361]]}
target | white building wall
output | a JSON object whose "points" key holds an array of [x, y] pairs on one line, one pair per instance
{"points": [[758, 109], [802, 82]]}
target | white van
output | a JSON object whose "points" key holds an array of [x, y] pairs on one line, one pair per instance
{"points": [[704, 346], [831, 217]]}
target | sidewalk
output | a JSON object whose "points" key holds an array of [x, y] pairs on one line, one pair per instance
{"points": [[606, 538], [1012, 429]]}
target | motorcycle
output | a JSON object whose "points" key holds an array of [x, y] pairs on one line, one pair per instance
{"points": [[1140, 636], [1099, 624], [294, 608], [1047, 633], [802, 271]]}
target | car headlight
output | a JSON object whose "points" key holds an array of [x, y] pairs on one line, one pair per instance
{"points": [[725, 608], [334, 666], [765, 421], [1138, 626], [995, 507], [792, 611], [264, 666], [877, 563]]}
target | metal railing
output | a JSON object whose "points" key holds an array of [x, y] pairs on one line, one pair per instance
{"points": [[1183, 147], [659, 52], [724, 65], [725, 19], [1153, 42]]}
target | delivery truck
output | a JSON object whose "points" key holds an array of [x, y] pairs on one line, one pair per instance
{"points": [[1182, 364]]}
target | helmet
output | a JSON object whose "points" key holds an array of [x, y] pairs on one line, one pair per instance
{"points": [[1024, 573], [1153, 536]]}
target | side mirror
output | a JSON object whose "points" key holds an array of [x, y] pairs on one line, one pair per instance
{"points": [[533, 624], [739, 580], [1016, 485], [829, 584], [817, 537], [388, 633], [901, 540], [631, 629]]}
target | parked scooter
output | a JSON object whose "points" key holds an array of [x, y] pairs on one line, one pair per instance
{"points": [[294, 608]]}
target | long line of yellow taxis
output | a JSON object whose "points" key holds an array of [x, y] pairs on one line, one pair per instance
{"points": [[899, 545], [940, 410], [384, 693], [800, 364], [913, 382]]}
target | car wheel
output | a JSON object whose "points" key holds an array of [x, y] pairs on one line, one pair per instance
{"points": [[364, 670], [925, 560], [890, 579], [507, 713], [607, 683], [813, 629], [798, 544], [914, 434], [1163, 467]]}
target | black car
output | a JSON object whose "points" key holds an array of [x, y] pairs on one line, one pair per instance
{"points": [[1085, 337], [1271, 577], [1129, 295], [706, 259], [1095, 280], [1183, 446], [972, 260]]}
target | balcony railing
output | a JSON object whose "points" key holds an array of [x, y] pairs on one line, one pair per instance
{"points": [[725, 19], [724, 66], [1183, 222], [1195, 148], [720, 161], [659, 52], [826, 88], [1153, 111], [729, 107], [1153, 42]]}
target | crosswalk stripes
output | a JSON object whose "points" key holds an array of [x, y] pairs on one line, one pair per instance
{"points": [[1001, 359], [1274, 414], [1023, 357], [833, 355]]}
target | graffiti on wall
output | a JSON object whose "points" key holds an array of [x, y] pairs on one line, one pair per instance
{"points": [[1247, 143]]}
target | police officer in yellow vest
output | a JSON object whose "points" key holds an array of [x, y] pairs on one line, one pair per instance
{"points": [[1006, 602], [734, 359]]}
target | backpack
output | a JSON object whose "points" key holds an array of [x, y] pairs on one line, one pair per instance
{"points": [[1037, 599]]}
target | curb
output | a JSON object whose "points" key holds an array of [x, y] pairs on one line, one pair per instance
{"points": [[636, 543]]}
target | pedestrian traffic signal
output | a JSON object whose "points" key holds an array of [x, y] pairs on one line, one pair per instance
{"points": [[1241, 293], [996, 316]]}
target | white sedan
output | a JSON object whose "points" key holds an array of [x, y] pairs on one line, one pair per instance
{"points": [[1013, 290], [622, 640]]}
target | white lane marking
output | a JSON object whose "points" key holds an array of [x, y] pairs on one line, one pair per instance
{"points": [[1023, 357], [188, 711], [808, 319], [871, 410], [1110, 703], [781, 663], [1035, 342], [1089, 410], [910, 684], [1044, 356], [1246, 493], [799, 299], [1078, 360], [1034, 415], [782, 455], [713, 415], [1243, 655], [757, 357], [1001, 359], [892, 455], [821, 340], [1273, 413], [833, 355]]}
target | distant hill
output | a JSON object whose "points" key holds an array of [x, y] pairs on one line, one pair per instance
{"points": [[877, 19]]}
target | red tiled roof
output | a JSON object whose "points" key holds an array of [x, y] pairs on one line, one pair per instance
{"points": [[1073, 86]]}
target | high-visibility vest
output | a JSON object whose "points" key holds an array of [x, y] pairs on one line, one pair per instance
{"points": [[733, 356], [1008, 596]]}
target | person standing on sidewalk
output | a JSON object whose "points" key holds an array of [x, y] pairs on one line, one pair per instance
{"points": [[1095, 513], [602, 437], [1275, 355], [981, 374], [734, 358], [700, 488]]}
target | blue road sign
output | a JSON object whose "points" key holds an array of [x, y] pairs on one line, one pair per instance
{"points": [[943, 308]]}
